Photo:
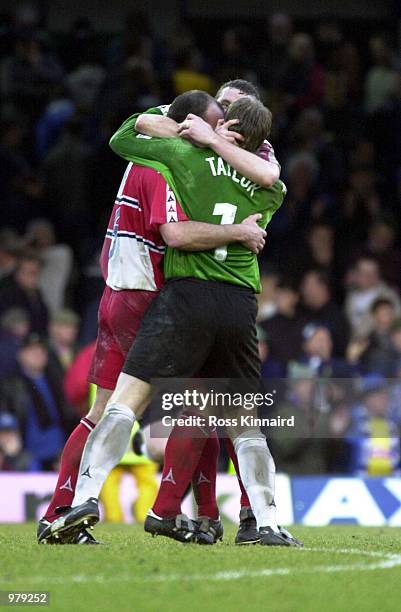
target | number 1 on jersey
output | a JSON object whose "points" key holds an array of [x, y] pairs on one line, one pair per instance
{"points": [[227, 213]]}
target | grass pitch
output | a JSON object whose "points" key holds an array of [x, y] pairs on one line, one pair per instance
{"points": [[341, 568]]}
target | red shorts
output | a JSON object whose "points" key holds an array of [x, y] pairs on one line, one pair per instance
{"points": [[120, 314]]}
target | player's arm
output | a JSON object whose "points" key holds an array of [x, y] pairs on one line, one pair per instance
{"points": [[157, 126], [130, 145], [198, 236], [179, 232], [225, 143]]}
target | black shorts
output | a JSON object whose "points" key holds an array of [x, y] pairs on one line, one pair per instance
{"points": [[197, 327]]}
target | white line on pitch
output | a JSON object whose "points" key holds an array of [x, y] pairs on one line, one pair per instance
{"points": [[388, 561]]}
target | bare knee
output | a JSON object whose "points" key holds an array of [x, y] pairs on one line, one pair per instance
{"points": [[99, 405]]}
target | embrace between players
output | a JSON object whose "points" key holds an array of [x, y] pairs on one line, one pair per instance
{"points": [[191, 187]]}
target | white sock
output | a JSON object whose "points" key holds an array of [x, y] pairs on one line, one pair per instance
{"points": [[258, 473], [105, 446]]}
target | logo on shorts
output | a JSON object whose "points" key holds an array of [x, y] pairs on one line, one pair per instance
{"points": [[86, 473]]}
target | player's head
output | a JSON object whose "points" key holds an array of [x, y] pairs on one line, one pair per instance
{"points": [[254, 121], [198, 103], [232, 90]]}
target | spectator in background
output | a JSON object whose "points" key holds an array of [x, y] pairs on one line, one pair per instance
{"points": [[362, 154], [303, 80], [381, 80], [104, 163], [14, 327], [381, 244], [65, 171], [318, 306], [378, 356], [20, 188], [74, 47], [283, 331], [343, 94], [188, 73], [35, 397], [395, 337], [136, 88], [317, 244], [89, 324], [384, 130], [317, 354], [28, 74], [9, 243], [302, 173], [63, 334], [57, 262], [235, 58], [373, 436], [13, 457], [273, 60], [84, 83], [76, 385], [320, 244], [311, 136], [51, 122], [306, 451], [23, 292], [361, 205], [329, 38], [366, 286], [267, 297], [351, 67], [134, 41]]}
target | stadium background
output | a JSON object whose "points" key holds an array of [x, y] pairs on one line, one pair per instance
{"points": [[331, 268]]}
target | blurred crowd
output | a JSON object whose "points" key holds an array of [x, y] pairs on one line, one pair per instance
{"points": [[330, 306]]}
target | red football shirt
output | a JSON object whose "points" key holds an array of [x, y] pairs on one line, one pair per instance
{"points": [[133, 248]]}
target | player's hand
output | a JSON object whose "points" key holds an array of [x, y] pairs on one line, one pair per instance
{"points": [[223, 130], [196, 130], [253, 235]]}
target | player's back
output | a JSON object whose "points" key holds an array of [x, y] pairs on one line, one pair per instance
{"points": [[213, 192], [209, 190], [133, 248]]}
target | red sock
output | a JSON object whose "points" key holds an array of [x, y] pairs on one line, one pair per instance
{"points": [[69, 466], [245, 503], [204, 479], [183, 451]]}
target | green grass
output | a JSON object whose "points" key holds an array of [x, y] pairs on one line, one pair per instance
{"points": [[135, 572]]}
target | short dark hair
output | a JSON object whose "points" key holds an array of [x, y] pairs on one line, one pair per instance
{"points": [[29, 255], [288, 284], [367, 257], [243, 86], [195, 101], [379, 302], [321, 276], [255, 121]]}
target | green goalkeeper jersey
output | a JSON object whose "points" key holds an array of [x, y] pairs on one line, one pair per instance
{"points": [[209, 190]]}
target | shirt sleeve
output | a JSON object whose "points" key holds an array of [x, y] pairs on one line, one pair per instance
{"points": [[146, 150], [156, 110], [164, 205], [266, 152]]}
